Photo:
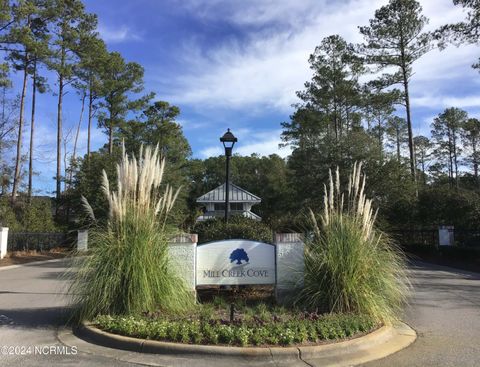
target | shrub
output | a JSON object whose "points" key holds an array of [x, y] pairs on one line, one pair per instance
{"points": [[37, 216], [297, 328], [129, 270], [350, 266], [28, 216], [289, 223], [441, 205], [8, 217], [238, 227]]}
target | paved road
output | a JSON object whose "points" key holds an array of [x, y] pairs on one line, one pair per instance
{"points": [[32, 305], [445, 312]]}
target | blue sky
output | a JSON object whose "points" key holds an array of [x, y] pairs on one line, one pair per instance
{"points": [[237, 64]]}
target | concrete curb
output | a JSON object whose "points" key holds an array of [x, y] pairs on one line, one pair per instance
{"points": [[378, 344], [33, 263]]}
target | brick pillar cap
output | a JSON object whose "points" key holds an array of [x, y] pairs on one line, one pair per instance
{"points": [[288, 237], [185, 238]]}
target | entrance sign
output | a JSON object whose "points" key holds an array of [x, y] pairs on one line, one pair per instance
{"points": [[235, 262]]}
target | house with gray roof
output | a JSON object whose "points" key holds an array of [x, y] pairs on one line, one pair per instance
{"points": [[240, 200]]}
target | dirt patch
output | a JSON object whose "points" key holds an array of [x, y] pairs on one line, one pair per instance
{"points": [[23, 257], [248, 294]]}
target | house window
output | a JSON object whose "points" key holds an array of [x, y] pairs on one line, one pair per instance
{"points": [[236, 206], [233, 206]]}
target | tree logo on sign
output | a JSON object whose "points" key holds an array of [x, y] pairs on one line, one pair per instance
{"points": [[239, 255]]}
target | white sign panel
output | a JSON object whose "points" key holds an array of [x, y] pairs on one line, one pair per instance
{"points": [[233, 262]]}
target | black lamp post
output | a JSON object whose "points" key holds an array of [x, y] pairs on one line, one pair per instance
{"points": [[228, 140]]}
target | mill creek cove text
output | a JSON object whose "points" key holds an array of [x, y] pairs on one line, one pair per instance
{"points": [[235, 273]]}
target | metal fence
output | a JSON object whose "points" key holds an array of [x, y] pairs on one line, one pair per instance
{"points": [[425, 237], [429, 237], [467, 237], [24, 241]]}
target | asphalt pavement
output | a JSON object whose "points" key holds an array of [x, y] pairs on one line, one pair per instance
{"points": [[33, 304], [444, 310]]}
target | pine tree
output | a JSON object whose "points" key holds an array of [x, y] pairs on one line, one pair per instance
{"points": [[6, 22], [27, 38], [326, 129], [471, 141], [332, 97], [446, 129], [378, 109], [68, 18], [422, 154], [395, 38], [466, 31], [39, 84], [397, 134], [118, 80], [8, 126], [93, 55]]}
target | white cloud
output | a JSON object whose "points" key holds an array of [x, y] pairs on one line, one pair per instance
{"points": [[265, 148], [262, 143], [437, 66], [257, 13], [271, 64], [436, 101], [116, 34], [211, 152], [188, 125]]}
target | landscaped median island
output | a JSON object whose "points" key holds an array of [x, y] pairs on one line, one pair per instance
{"points": [[352, 280], [259, 325]]}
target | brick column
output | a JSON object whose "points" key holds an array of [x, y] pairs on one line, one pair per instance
{"points": [[3, 241], [290, 264], [82, 240], [182, 251]]}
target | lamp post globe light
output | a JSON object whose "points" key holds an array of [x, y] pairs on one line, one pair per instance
{"points": [[228, 140]]}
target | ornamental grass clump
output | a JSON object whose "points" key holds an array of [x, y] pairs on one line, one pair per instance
{"points": [[351, 266], [128, 270]]}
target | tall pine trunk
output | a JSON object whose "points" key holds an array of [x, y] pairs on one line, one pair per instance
{"points": [[59, 138], [32, 130], [74, 154], [59, 127], [407, 109], [16, 177], [455, 158], [90, 109], [397, 128], [409, 127], [110, 139], [380, 139], [450, 158], [4, 92], [110, 135], [475, 159], [423, 169], [3, 119]]}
